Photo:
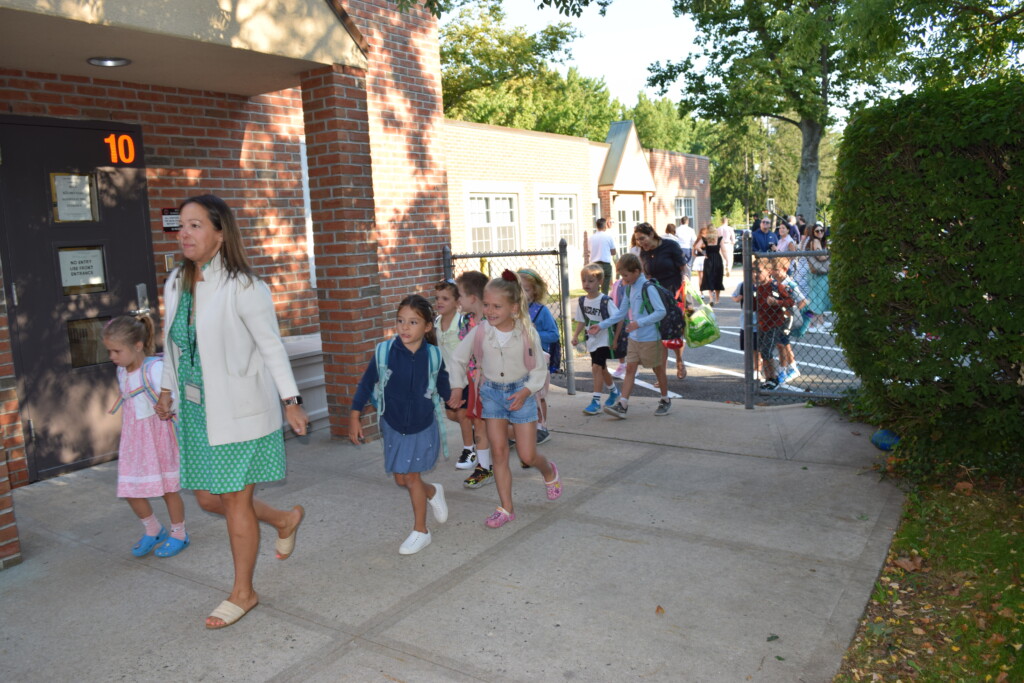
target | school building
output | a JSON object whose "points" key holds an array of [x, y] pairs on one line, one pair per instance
{"points": [[320, 123]]}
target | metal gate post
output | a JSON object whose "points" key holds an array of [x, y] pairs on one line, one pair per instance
{"points": [[446, 262], [567, 349], [748, 321]]}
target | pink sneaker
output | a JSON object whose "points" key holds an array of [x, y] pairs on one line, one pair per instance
{"points": [[500, 517], [555, 486]]}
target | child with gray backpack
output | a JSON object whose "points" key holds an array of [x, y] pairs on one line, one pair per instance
{"points": [[645, 310]]}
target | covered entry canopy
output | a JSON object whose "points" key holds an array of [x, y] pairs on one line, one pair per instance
{"points": [[242, 47]]}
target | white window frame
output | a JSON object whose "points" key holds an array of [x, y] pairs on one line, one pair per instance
{"points": [[556, 219], [686, 206], [493, 221], [625, 228]]}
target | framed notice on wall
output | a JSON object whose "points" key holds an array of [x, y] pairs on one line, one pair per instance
{"points": [[73, 196], [82, 270]]}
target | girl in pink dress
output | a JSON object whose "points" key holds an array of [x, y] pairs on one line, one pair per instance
{"points": [[147, 465]]}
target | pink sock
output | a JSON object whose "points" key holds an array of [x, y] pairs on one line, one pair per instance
{"points": [[152, 525], [178, 531]]}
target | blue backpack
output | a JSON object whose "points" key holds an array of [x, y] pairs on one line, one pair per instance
{"points": [[380, 356]]}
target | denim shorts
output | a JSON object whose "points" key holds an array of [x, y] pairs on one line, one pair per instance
{"points": [[497, 397]]}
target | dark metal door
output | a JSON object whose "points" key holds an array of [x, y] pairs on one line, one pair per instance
{"points": [[77, 251]]}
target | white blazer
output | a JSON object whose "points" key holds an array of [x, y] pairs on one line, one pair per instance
{"points": [[246, 370]]}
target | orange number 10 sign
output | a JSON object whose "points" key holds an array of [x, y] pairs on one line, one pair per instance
{"points": [[122, 148]]}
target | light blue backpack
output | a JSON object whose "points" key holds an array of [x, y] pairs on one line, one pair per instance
{"points": [[381, 354]]}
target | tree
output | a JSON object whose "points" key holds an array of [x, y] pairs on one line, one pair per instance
{"points": [[547, 102], [478, 53], [789, 61], [943, 44], [660, 126]]}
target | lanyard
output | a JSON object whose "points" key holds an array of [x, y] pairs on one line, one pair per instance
{"points": [[190, 333]]}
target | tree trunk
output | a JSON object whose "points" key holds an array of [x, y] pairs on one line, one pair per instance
{"points": [[807, 178]]}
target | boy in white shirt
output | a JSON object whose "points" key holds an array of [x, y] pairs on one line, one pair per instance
{"points": [[592, 309]]}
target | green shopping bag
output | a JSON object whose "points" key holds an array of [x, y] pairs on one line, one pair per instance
{"points": [[701, 327]]}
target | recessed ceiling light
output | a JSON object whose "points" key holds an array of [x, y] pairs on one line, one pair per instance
{"points": [[109, 61]]}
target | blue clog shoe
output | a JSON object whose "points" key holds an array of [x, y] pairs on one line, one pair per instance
{"points": [[172, 546], [147, 543]]}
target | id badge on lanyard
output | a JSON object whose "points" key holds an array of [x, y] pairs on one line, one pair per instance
{"points": [[193, 393]]}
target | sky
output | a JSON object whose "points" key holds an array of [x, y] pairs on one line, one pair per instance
{"points": [[619, 46]]}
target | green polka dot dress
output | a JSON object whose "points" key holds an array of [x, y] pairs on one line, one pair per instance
{"points": [[217, 469]]}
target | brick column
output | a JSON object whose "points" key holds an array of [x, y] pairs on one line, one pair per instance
{"points": [[341, 192], [406, 118], [13, 465]]}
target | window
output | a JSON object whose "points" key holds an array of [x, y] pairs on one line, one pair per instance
{"points": [[556, 217], [492, 222], [686, 206], [626, 228]]}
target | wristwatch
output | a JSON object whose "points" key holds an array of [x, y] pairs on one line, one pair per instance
{"points": [[293, 401]]}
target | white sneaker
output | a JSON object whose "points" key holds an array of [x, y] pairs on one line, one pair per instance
{"points": [[467, 461], [620, 371], [416, 542], [439, 505]]}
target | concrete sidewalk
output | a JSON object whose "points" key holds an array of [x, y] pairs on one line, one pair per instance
{"points": [[738, 524]]}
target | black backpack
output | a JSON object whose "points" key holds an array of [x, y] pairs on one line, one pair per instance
{"points": [[673, 325]]}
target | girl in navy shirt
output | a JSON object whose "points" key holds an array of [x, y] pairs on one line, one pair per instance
{"points": [[408, 423]]}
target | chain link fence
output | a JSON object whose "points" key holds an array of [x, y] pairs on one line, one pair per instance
{"points": [[790, 351], [552, 267]]}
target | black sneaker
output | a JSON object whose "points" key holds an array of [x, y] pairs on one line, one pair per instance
{"points": [[467, 460], [770, 384], [479, 477], [618, 410], [543, 435], [664, 406]]}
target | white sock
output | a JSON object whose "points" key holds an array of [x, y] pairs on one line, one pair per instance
{"points": [[151, 524], [483, 458], [623, 400], [469, 447], [597, 395], [610, 388]]}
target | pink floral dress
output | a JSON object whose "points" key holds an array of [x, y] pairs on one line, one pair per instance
{"points": [[147, 465]]}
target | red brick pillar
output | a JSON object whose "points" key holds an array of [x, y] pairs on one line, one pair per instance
{"points": [[13, 465], [403, 95], [344, 244]]}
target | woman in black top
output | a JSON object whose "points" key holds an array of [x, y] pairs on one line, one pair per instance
{"points": [[663, 259], [663, 262]]}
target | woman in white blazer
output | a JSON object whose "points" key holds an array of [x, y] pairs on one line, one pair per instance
{"points": [[223, 353]]}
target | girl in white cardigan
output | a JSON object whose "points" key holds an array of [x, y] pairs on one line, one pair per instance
{"points": [[509, 355]]}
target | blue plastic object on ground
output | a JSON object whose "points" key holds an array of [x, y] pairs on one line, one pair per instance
{"points": [[884, 439]]}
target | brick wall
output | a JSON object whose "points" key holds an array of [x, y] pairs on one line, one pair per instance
{"points": [[678, 175], [244, 149], [346, 251], [13, 465], [403, 98], [484, 158]]}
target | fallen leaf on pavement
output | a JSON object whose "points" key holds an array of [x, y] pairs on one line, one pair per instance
{"points": [[659, 610]]}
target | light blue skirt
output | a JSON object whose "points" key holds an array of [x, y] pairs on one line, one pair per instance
{"points": [[405, 453]]}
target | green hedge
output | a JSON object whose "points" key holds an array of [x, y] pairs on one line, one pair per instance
{"points": [[928, 275]]}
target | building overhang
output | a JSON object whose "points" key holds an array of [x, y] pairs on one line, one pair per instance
{"points": [[242, 47]]}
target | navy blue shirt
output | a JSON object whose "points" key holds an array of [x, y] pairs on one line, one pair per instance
{"points": [[407, 409], [763, 240]]}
